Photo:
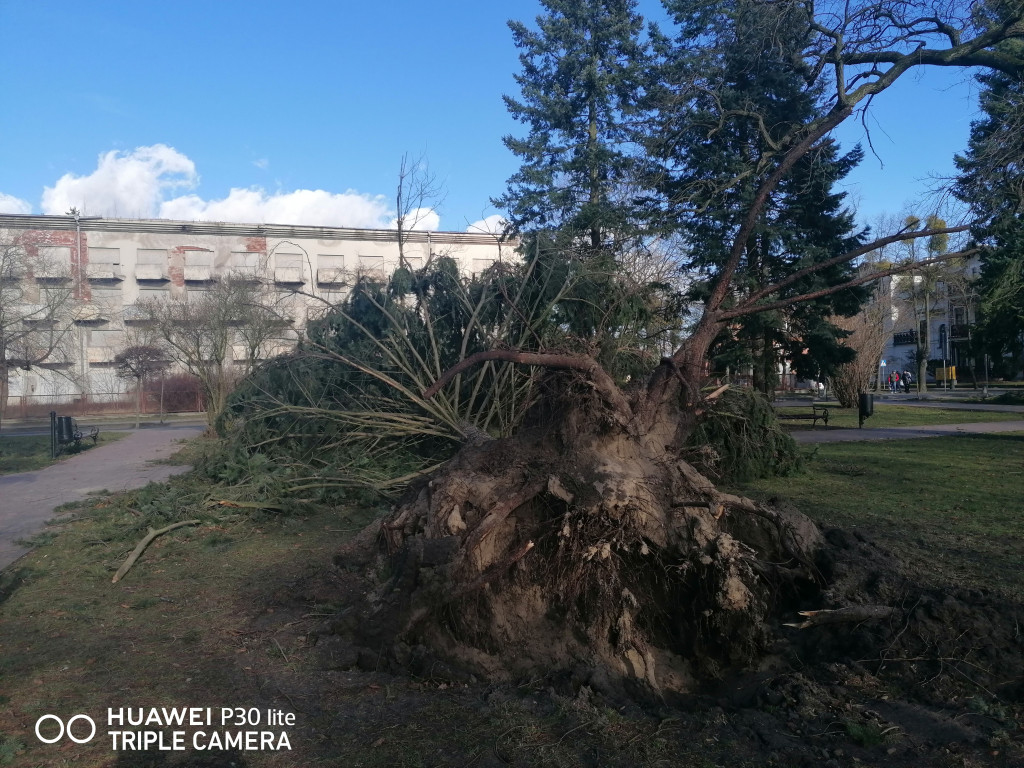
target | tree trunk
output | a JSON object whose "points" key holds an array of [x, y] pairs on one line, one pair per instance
{"points": [[5, 388], [922, 358], [582, 544], [138, 403]]}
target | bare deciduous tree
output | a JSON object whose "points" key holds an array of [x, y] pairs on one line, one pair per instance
{"points": [[37, 311], [218, 335], [418, 196], [867, 338], [138, 363]]}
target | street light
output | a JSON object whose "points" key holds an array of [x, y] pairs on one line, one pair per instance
{"points": [[83, 358]]}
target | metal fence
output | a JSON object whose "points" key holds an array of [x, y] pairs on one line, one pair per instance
{"points": [[172, 400]]}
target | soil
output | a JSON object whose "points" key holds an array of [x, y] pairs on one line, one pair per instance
{"points": [[583, 561], [939, 682]]}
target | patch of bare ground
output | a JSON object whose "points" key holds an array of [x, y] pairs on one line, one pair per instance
{"points": [[937, 681], [254, 615]]}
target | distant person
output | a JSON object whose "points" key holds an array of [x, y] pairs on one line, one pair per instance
{"points": [[906, 381]]}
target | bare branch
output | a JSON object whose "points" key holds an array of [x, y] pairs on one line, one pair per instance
{"points": [[871, 277], [846, 257]]}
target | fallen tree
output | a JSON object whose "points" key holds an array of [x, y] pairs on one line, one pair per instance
{"points": [[583, 542]]}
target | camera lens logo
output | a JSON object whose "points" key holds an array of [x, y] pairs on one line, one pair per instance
{"points": [[62, 729]]}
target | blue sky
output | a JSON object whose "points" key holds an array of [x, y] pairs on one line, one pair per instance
{"points": [[305, 109]]}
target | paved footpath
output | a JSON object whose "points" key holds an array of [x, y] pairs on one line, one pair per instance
{"points": [[27, 499], [904, 433]]}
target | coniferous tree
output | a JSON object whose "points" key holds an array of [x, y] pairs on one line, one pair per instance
{"points": [[991, 182], [582, 76], [572, 200], [746, 91]]}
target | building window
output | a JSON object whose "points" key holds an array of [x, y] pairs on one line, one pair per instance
{"points": [[53, 262], [198, 266], [371, 265], [150, 293], [245, 265], [60, 254], [104, 264], [330, 269], [156, 256], [151, 264], [288, 268], [481, 265]]}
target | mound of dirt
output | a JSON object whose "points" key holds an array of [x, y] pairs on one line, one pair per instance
{"points": [[584, 552], [937, 680], [521, 557]]}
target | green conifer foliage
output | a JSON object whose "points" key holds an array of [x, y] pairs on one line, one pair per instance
{"points": [[581, 80], [742, 91], [991, 182]]}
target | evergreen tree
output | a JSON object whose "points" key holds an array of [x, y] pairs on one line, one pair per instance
{"points": [[746, 88], [992, 184], [582, 76], [572, 200]]}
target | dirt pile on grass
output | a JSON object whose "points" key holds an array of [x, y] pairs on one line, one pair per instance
{"points": [[939, 680], [588, 556]]}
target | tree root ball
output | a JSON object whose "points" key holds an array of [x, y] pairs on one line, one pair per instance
{"points": [[595, 552]]}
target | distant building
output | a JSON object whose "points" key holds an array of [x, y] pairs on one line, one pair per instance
{"points": [[952, 307], [113, 265]]}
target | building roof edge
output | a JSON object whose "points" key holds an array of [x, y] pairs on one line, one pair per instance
{"points": [[169, 226]]}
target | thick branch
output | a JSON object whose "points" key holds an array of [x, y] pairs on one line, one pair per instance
{"points": [[721, 290], [853, 614], [141, 547], [783, 303], [845, 257], [975, 52], [951, 57]]}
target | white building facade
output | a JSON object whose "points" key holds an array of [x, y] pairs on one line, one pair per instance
{"points": [[937, 315], [113, 266]]}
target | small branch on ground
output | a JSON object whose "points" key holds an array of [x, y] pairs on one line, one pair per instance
{"points": [[141, 547], [856, 613]]}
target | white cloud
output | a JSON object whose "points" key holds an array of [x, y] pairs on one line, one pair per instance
{"points": [[303, 206], [12, 204], [420, 219], [492, 225], [262, 163], [124, 184], [139, 184]]}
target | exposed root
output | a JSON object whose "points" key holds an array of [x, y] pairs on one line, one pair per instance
{"points": [[583, 546]]}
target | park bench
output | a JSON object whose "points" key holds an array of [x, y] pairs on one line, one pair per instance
{"points": [[794, 411], [64, 432]]}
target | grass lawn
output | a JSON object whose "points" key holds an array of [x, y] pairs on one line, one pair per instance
{"points": [[950, 507], [901, 416], [209, 617], [32, 452]]}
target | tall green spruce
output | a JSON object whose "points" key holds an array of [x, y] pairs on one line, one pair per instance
{"points": [[583, 69], [991, 182], [571, 201], [734, 85]]}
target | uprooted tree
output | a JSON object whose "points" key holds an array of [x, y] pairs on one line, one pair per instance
{"points": [[579, 537]]}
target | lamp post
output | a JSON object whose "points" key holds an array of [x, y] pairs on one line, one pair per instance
{"points": [[83, 357]]}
